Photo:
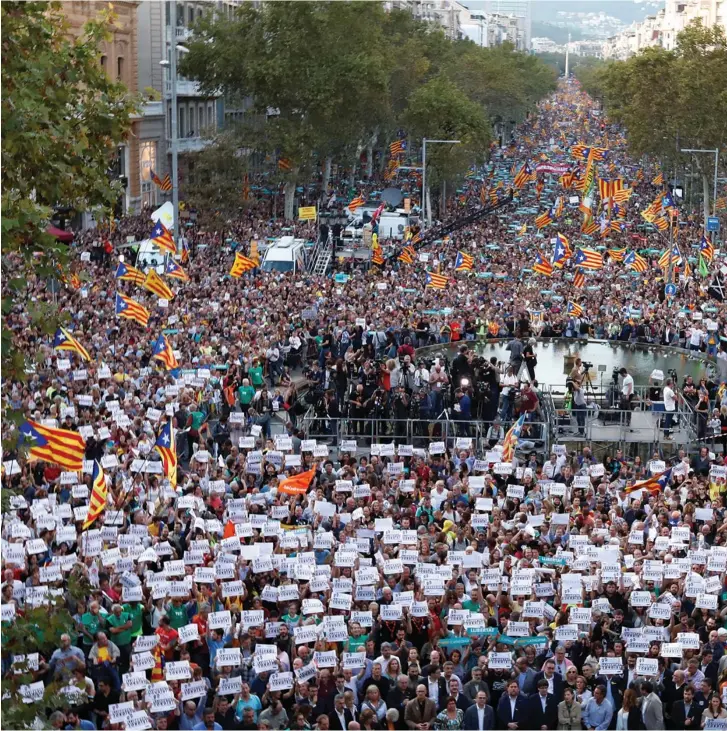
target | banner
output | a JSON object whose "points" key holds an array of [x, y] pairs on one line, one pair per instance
{"points": [[308, 213], [553, 168]]}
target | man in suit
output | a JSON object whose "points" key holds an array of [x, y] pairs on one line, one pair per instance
{"points": [[400, 695], [436, 688], [479, 716], [525, 676], [462, 701], [686, 713], [555, 682], [652, 713], [340, 717], [420, 711], [474, 686], [512, 710], [542, 708]]}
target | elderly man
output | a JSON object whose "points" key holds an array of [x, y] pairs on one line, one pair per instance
{"points": [[65, 659], [420, 711], [104, 657]]}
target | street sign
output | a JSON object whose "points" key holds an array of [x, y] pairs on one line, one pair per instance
{"points": [[670, 290], [713, 223]]}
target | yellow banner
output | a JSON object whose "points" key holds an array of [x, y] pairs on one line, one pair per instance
{"points": [[308, 213]]}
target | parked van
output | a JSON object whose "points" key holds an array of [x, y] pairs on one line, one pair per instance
{"points": [[286, 254]]}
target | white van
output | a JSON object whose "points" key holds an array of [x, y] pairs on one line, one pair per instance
{"points": [[149, 255], [285, 255]]}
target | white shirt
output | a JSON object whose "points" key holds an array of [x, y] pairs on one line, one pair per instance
{"points": [[670, 401], [433, 690], [696, 336], [627, 387], [480, 717], [512, 706]]}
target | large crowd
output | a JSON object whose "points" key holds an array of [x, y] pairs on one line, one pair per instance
{"points": [[405, 581]]}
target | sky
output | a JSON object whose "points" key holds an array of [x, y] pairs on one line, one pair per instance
{"points": [[582, 18]]}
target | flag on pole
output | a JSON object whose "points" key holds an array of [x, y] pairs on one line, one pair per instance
{"points": [[655, 484], [241, 265], [164, 185], [706, 248], [542, 265], [635, 262], [464, 262], [703, 268], [408, 255], [579, 279], [378, 256], [131, 310], [396, 148], [511, 439], [544, 219], [436, 281], [59, 446], [156, 285], [63, 340], [298, 484], [575, 310], [588, 259], [175, 271], [562, 251], [99, 494], [356, 203], [658, 180], [163, 351], [167, 448], [162, 237], [128, 273], [617, 254]]}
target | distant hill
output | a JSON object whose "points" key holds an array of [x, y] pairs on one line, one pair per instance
{"points": [[541, 29]]}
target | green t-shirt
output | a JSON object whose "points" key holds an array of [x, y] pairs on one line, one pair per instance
{"points": [[197, 419], [92, 623], [119, 638], [355, 642], [245, 394], [471, 605], [177, 616], [256, 376], [136, 614]]}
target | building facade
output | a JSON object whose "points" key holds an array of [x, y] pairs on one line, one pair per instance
{"points": [[663, 28], [118, 58]]}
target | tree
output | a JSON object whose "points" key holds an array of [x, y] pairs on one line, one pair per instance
{"points": [[670, 100], [62, 119]]}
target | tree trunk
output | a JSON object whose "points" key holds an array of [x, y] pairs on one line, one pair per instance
{"points": [[289, 201], [443, 200], [369, 161], [326, 176], [352, 176]]}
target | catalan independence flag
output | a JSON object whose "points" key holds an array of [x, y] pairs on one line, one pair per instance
{"points": [[511, 439], [544, 219], [562, 251], [63, 340], [408, 254], [163, 352], [542, 265], [436, 281], [131, 310], [167, 448], [588, 259], [617, 254], [464, 262], [664, 258], [284, 165], [128, 273], [156, 285], [162, 237], [175, 271], [525, 175], [655, 484], [575, 310], [378, 256], [163, 185], [59, 446], [241, 265], [635, 262], [658, 180], [706, 248], [99, 493], [579, 279], [396, 148]]}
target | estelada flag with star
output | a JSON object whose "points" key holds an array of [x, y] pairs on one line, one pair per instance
{"points": [[99, 493], [167, 447], [59, 446]]}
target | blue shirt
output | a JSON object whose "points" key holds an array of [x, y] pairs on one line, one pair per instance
{"points": [[202, 727], [597, 716], [85, 725]]}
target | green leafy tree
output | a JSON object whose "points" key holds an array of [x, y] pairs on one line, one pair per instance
{"points": [[669, 100], [62, 119]]}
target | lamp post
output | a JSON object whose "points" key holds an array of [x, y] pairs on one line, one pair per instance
{"points": [[714, 152], [425, 141]]}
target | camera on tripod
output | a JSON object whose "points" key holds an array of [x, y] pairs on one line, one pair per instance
{"points": [[586, 366]]}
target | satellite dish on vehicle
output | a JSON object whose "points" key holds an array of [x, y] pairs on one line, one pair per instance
{"points": [[392, 196]]}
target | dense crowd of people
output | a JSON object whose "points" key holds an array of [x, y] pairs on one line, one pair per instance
{"points": [[393, 580]]}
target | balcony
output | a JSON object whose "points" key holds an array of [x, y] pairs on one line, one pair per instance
{"points": [[190, 144], [185, 87], [180, 34]]}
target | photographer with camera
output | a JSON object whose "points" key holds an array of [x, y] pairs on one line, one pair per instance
{"points": [[575, 386], [510, 385]]}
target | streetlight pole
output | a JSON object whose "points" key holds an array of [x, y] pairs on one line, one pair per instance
{"points": [[716, 165], [425, 141]]}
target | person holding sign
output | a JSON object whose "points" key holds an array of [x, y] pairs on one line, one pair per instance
{"points": [[714, 711]]}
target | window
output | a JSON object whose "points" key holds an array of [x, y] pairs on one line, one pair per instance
{"points": [[147, 163], [120, 68], [103, 62], [200, 118], [210, 118], [191, 16], [181, 127]]}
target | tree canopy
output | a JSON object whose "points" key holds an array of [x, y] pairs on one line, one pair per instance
{"points": [[62, 119], [334, 79], [670, 100]]}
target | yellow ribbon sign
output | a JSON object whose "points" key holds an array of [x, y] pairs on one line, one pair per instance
{"points": [[308, 213]]}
